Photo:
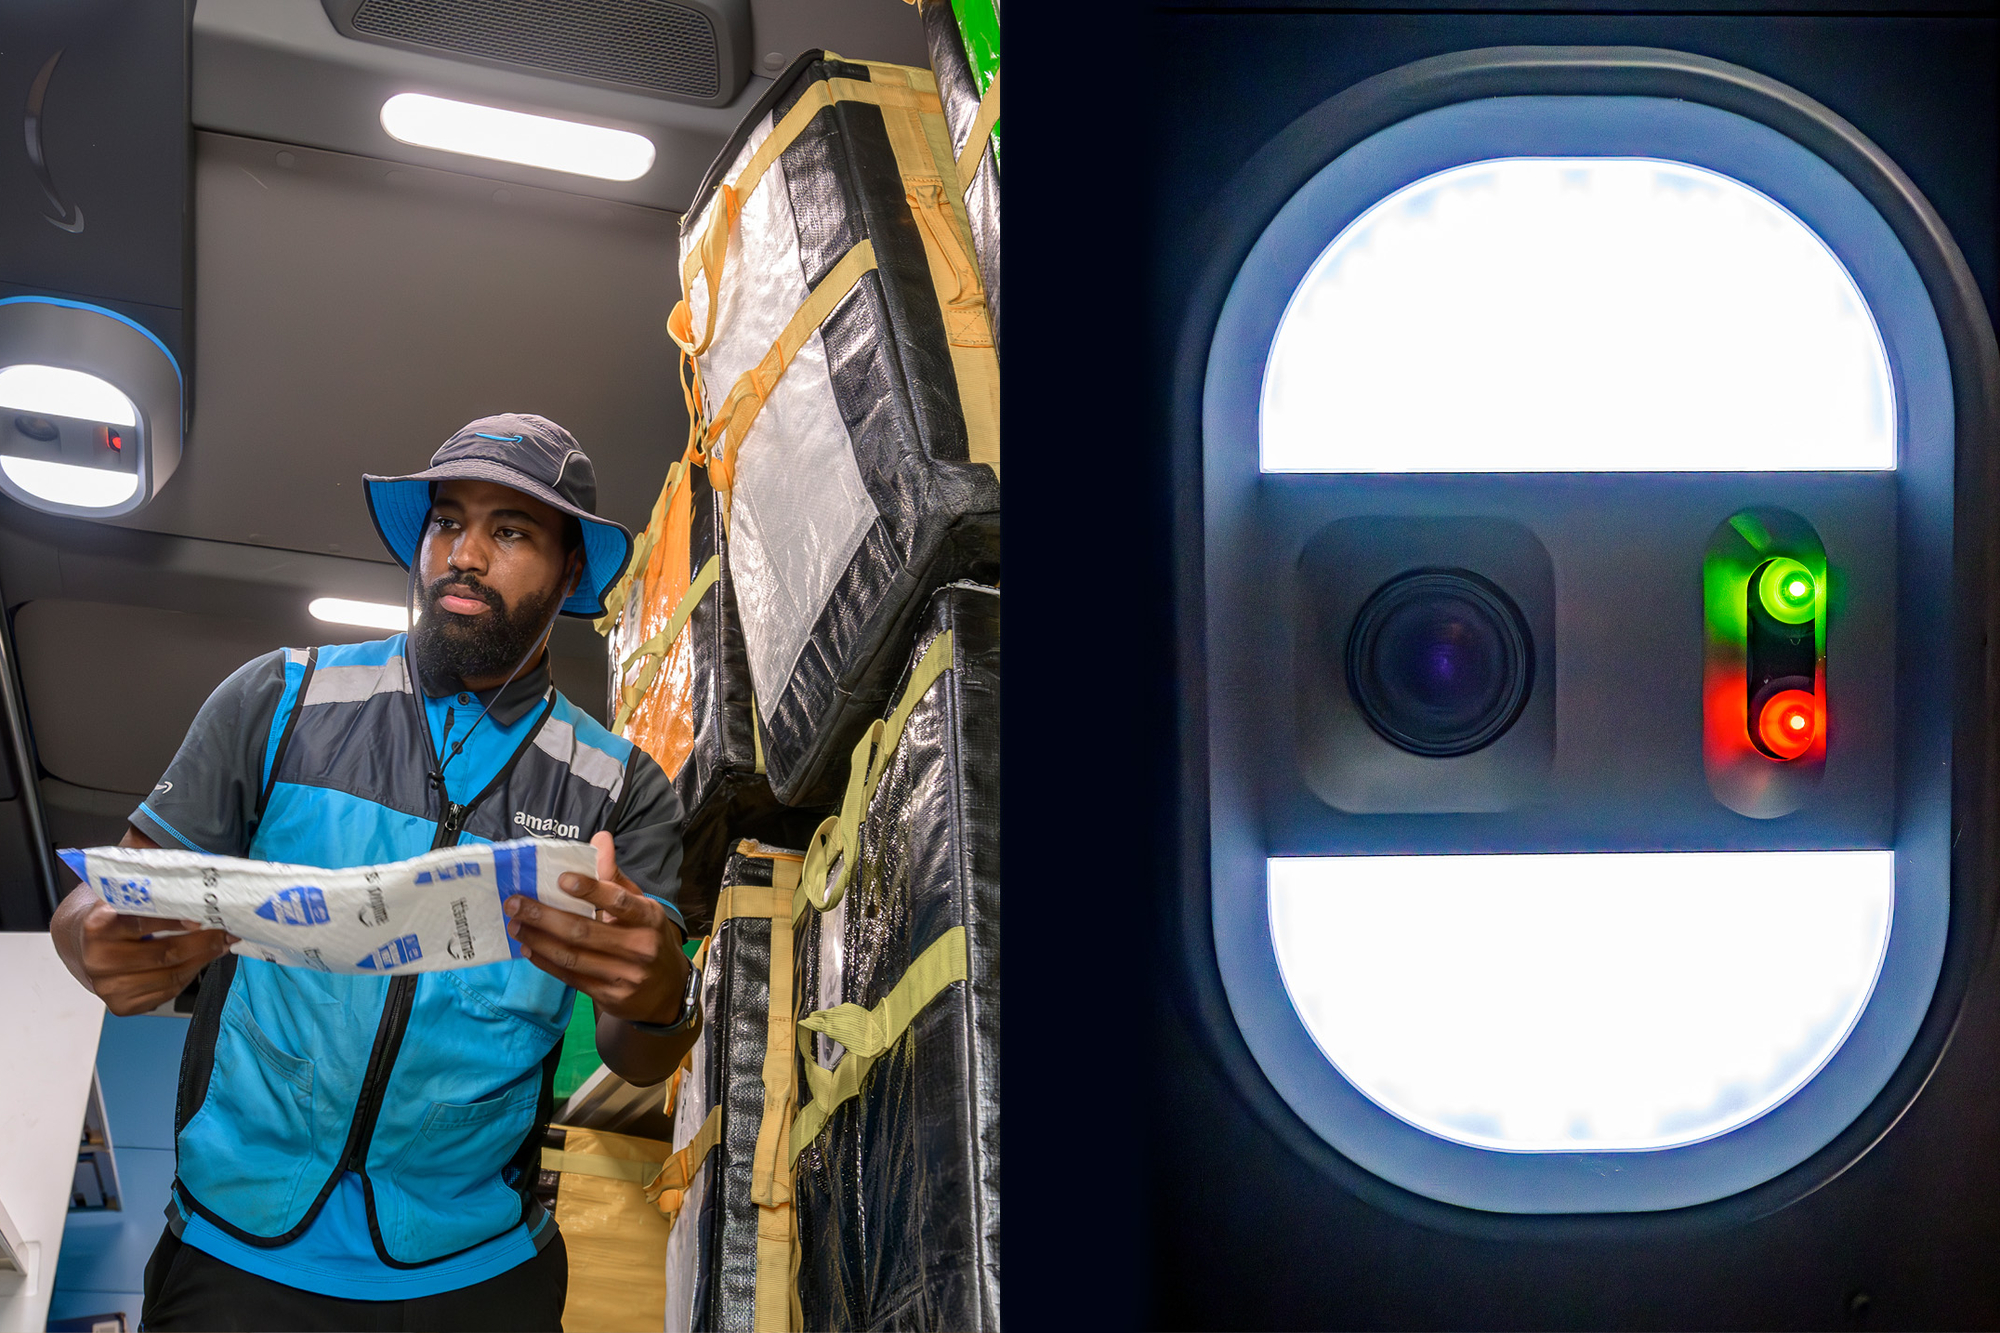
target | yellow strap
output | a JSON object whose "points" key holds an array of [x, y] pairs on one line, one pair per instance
{"points": [[755, 901], [593, 1164], [974, 146], [777, 1251], [873, 1031], [756, 737], [642, 550], [776, 1304], [769, 1186], [655, 648], [747, 396], [667, 1188], [770, 902], [771, 1167], [757, 851], [798, 1308], [869, 1033], [837, 841], [968, 328], [924, 158], [785, 876], [705, 259]]}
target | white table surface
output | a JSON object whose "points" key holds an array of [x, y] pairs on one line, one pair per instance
{"points": [[49, 1027]]}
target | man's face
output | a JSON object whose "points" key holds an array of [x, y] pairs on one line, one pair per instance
{"points": [[491, 570]]}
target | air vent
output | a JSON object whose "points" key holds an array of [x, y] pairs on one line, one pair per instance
{"points": [[683, 50]]}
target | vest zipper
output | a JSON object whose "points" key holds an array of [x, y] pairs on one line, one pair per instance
{"points": [[402, 990], [389, 1034]]}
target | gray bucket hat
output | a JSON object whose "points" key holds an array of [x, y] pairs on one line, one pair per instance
{"points": [[534, 456]]}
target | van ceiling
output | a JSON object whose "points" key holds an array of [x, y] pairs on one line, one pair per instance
{"points": [[350, 315], [352, 309], [280, 70]]}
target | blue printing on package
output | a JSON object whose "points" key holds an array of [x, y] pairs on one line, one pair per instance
{"points": [[393, 955], [514, 872], [300, 905]]}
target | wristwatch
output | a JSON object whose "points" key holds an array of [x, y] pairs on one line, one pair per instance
{"points": [[690, 1008]]}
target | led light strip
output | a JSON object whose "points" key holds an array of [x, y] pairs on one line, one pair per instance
{"points": [[1589, 1002], [373, 615], [517, 136]]}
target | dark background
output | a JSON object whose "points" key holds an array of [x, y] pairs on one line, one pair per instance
{"points": [[1149, 1188]]}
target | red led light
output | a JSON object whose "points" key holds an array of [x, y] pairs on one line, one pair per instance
{"points": [[1789, 723]]}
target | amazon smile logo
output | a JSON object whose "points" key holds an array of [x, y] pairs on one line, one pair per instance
{"points": [[38, 158]]}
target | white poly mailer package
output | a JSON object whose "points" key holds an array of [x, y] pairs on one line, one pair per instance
{"points": [[430, 913]]}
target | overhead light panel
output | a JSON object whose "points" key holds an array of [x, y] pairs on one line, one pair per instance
{"points": [[516, 136], [372, 615]]}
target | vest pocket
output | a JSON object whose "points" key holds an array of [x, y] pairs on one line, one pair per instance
{"points": [[444, 1191], [243, 1155], [519, 991]]}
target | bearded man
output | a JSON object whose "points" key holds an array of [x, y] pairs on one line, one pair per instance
{"points": [[360, 1152]]}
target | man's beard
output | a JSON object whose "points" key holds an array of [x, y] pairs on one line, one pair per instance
{"points": [[454, 648]]}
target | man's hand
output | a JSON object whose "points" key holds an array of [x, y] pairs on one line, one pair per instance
{"points": [[627, 958], [109, 952]]}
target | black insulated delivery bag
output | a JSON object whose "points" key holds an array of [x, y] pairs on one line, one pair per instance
{"points": [[964, 41], [845, 394], [897, 1137], [728, 1186], [680, 686]]}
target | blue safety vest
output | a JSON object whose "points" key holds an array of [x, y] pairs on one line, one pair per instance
{"points": [[432, 1088]]}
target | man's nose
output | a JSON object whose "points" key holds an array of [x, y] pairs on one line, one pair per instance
{"points": [[468, 552]]}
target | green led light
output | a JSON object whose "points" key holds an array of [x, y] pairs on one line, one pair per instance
{"points": [[1788, 591]]}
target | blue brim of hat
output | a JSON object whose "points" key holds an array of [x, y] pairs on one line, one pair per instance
{"points": [[399, 505]]}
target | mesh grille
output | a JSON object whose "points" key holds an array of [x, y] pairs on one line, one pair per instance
{"points": [[649, 44]]}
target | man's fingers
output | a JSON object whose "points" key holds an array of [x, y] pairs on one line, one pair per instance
{"points": [[556, 955], [116, 956], [591, 986], [607, 861], [622, 901], [597, 892], [640, 944], [105, 923], [138, 992]]}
